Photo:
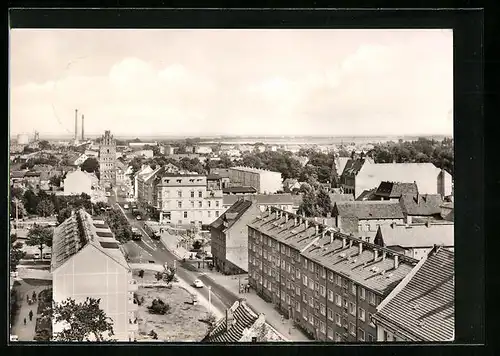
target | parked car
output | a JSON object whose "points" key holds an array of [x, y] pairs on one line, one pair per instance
{"points": [[125, 206], [198, 284], [138, 217], [136, 234], [47, 255], [108, 194]]}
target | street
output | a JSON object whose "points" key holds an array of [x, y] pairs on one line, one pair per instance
{"points": [[154, 250]]}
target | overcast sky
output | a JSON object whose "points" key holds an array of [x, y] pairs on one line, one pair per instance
{"points": [[206, 82]]}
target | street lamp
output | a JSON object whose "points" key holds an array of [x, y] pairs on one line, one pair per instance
{"points": [[210, 299]]}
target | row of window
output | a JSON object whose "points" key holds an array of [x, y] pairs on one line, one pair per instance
{"points": [[185, 215], [193, 205]]}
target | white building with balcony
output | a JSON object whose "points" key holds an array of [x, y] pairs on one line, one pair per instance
{"points": [[186, 200], [87, 262]]}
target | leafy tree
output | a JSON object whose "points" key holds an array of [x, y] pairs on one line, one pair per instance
{"points": [[16, 254], [324, 203], [158, 306], [63, 214], [40, 236], [55, 181], [90, 165], [45, 208], [30, 200], [84, 320], [119, 225], [153, 334], [159, 276], [16, 193], [197, 244], [308, 207], [169, 275], [141, 273], [44, 145]]}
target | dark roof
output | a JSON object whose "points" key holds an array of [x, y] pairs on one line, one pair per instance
{"points": [[395, 189], [367, 195], [369, 209], [353, 166], [32, 174], [104, 234], [214, 177], [425, 306], [239, 190], [101, 226], [105, 244], [243, 318], [421, 204], [232, 214], [17, 174], [262, 199]]}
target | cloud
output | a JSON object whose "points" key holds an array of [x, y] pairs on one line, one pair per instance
{"points": [[369, 85]]}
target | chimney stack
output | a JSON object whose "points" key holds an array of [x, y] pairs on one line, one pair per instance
{"points": [[331, 237], [317, 229], [383, 255], [360, 248], [375, 254], [286, 217], [343, 242], [307, 223], [295, 219], [76, 124], [396, 261], [83, 128]]}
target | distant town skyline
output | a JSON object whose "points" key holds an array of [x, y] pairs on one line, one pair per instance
{"points": [[232, 82]]}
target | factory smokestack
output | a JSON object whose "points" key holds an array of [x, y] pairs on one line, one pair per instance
{"points": [[83, 127], [76, 124]]}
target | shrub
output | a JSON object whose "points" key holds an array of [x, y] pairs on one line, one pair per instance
{"points": [[197, 244], [159, 307]]}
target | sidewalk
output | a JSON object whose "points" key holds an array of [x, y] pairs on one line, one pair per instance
{"points": [[273, 317], [26, 332], [171, 242]]}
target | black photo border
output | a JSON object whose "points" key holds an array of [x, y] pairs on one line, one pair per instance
{"points": [[467, 25]]}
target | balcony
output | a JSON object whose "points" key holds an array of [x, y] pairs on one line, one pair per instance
{"points": [[132, 285]]}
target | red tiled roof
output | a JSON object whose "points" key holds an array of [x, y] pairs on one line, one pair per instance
{"points": [[425, 307]]}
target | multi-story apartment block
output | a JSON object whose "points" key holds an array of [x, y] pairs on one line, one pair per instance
{"points": [[229, 237], [107, 160], [265, 181], [330, 283], [87, 262], [186, 200]]}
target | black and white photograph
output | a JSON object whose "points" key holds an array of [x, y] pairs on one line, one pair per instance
{"points": [[231, 185]]}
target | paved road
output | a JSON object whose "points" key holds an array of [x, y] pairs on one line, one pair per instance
{"points": [[154, 250]]}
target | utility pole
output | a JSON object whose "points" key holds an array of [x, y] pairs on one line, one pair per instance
{"points": [[209, 299]]}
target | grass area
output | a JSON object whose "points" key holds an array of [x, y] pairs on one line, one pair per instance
{"points": [[181, 323]]}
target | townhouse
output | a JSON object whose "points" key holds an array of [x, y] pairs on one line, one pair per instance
{"points": [[421, 207], [87, 262], [328, 282]]}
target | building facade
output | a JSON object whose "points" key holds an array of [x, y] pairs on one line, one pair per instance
{"points": [[78, 182], [107, 160], [265, 181], [329, 283], [89, 263], [229, 237], [185, 200]]}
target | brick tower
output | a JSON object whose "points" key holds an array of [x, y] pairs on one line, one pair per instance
{"points": [[107, 160]]}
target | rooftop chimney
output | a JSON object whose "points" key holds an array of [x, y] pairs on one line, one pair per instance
{"points": [[307, 223], [83, 128], [383, 255], [343, 242], [286, 217], [396, 261], [375, 254], [325, 221], [295, 219], [331, 237], [317, 229], [76, 124], [360, 248]]}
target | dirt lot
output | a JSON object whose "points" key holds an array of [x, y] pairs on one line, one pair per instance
{"points": [[181, 323]]}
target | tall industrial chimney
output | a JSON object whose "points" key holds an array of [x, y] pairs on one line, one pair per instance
{"points": [[83, 127], [76, 124]]}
